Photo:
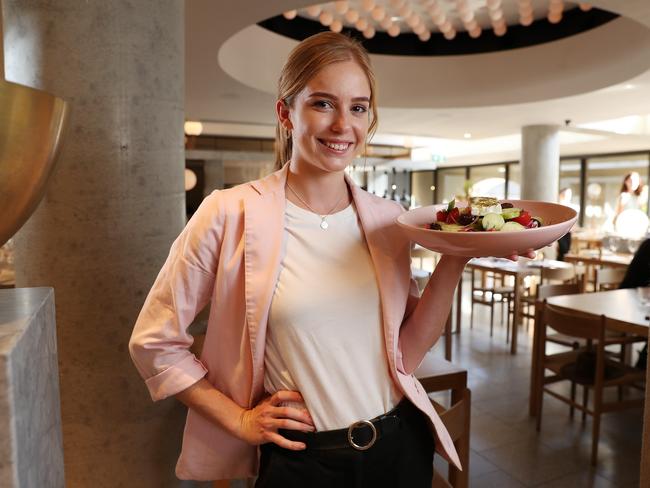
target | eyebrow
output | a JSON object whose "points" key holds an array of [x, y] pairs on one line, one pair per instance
{"points": [[334, 97]]}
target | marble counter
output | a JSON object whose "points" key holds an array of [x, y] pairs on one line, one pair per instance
{"points": [[31, 448]]}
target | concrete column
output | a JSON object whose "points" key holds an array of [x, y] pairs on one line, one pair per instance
{"points": [[113, 206], [540, 162]]}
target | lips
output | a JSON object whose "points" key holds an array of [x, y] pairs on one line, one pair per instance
{"points": [[337, 146]]}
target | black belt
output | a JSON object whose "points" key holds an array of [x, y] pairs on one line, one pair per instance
{"points": [[360, 435]]}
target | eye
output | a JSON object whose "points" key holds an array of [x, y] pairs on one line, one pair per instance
{"points": [[322, 104], [361, 109]]}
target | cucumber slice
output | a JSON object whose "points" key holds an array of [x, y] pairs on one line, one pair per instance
{"points": [[451, 227], [511, 213], [512, 227], [493, 221]]}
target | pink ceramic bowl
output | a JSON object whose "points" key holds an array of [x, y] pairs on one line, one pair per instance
{"points": [[558, 220]]}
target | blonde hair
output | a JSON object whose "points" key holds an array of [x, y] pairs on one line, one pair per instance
{"points": [[304, 62]]}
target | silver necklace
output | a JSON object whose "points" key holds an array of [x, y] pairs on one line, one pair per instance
{"points": [[323, 223]]}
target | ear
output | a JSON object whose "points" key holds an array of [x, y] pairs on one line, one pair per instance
{"points": [[282, 110]]}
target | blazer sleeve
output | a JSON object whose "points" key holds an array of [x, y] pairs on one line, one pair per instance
{"points": [[159, 345]]}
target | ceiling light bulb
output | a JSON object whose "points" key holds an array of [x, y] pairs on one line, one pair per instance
{"points": [[493, 4], [396, 3], [555, 8], [405, 10], [446, 26], [290, 14], [475, 32], [450, 34], [351, 16], [386, 22], [369, 32], [419, 29], [361, 24], [526, 21], [439, 18], [367, 5], [526, 10], [336, 26], [193, 128], [585, 7], [326, 18], [500, 30], [467, 16], [424, 36], [496, 15], [435, 10], [554, 18], [394, 30], [341, 6], [467, 135], [314, 10], [413, 20], [378, 13]]}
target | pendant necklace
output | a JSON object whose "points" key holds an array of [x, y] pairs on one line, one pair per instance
{"points": [[323, 223]]}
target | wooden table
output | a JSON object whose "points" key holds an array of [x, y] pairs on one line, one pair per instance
{"points": [[519, 270], [598, 259], [623, 310]]}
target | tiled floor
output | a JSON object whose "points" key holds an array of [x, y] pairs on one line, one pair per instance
{"points": [[506, 449]]}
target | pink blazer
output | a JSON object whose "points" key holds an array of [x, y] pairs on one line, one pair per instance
{"points": [[230, 253]]}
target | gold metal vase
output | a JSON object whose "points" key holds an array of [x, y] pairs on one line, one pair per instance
{"points": [[31, 128]]}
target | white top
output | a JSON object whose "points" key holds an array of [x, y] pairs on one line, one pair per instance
{"points": [[324, 336]]}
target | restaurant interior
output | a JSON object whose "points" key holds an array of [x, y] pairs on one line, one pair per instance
{"points": [[118, 119]]}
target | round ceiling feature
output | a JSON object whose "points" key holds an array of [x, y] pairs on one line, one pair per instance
{"points": [[454, 27]]}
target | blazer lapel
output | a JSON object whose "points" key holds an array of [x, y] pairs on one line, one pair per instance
{"points": [[392, 281], [263, 228]]}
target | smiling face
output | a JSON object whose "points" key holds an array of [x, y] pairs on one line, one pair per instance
{"points": [[633, 181], [329, 118]]}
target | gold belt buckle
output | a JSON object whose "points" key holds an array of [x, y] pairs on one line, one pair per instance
{"points": [[361, 423]]}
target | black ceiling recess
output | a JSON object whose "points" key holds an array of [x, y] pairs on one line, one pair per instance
{"points": [[573, 22]]}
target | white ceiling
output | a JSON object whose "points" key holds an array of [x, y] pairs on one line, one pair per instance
{"points": [[598, 75]]}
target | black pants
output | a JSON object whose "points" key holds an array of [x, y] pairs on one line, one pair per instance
{"points": [[402, 459]]}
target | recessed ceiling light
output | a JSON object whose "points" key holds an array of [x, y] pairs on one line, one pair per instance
{"points": [[629, 86], [467, 135]]}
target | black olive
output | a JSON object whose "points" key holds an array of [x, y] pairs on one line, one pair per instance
{"points": [[507, 205], [436, 226]]}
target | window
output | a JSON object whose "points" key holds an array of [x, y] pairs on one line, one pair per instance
{"points": [[451, 183], [422, 188], [488, 181], [604, 179]]}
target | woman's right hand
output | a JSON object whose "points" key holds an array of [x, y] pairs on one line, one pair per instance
{"points": [[260, 424]]}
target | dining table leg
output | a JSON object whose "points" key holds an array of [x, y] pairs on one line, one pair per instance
{"points": [[448, 337], [532, 401], [459, 302], [516, 316]]}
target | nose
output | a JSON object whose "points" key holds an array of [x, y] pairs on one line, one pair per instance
{"points": [[341, 122]]}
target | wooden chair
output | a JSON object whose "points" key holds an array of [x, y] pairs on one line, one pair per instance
{"points": [[558, 275], [608, 278], [488, 291], [568, 366], [437, 375]]}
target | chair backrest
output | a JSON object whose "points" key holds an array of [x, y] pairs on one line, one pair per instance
{"points": [[608, 278], [558, 274], [571, 323], [546, 291]]}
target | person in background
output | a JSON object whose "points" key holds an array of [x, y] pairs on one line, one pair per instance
{"points": [[638, 274], [630, 194], [564, 243]]}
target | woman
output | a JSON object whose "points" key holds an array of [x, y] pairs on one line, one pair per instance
{"points": [[315, 325], [630, 194]]}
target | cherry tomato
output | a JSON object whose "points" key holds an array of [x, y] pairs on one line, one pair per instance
{"points": [[452, 217], [523, 219], [441, 216]]}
